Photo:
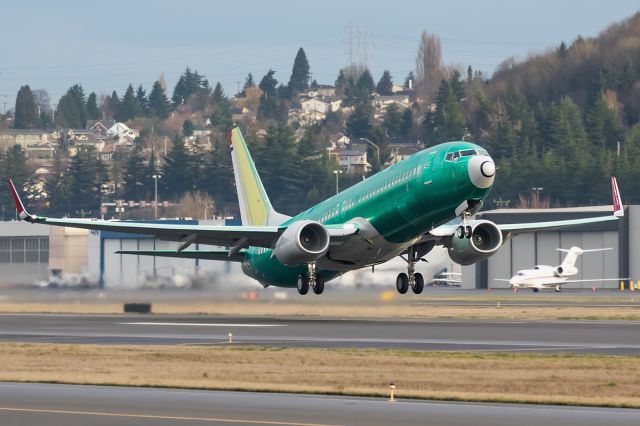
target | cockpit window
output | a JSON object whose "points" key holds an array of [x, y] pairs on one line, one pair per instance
{"points": [[449, 156], [467, 152]]}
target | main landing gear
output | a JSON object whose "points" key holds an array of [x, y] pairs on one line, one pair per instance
{"points": [[412, 278], [310, 280]]}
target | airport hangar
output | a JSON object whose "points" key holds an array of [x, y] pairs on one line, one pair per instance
{"points": [[540, 248], [30, 254]]}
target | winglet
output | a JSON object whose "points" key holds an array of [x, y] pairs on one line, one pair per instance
{"points": [[22, 212], [618, 209]]}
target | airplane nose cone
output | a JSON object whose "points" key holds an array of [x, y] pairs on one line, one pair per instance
{"points": [[482, 171]]}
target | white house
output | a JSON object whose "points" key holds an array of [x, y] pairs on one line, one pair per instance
{"points": [[353, 159], [121, 130]]}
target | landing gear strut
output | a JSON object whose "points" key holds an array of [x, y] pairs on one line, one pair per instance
{"points": [[464, 230], [411, 278], [310, 280]]}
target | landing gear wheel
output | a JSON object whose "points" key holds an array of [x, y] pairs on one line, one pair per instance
{"points": [[467, 232], [460, 232], [303, 285], [535, 290], [558, 289], [319, 287], [402, 283], [418, 283]]}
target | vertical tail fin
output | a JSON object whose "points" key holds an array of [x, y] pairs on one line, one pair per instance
{"points": [[618, 210], [255, 207]]}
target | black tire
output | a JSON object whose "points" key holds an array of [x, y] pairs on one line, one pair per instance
{"points": [[418, 283], [402, 283], [535, 290], [460, 232], [468, 231], [319, 287], [303, 285]]}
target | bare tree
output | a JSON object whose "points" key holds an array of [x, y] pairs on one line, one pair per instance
{"points": [[196, 205], [429, 70]]}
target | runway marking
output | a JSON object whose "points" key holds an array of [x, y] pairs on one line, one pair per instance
{"points": [[203, 324], [158, 417]]}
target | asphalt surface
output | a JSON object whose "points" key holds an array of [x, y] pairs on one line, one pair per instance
{"points": [[70, 405], [593, 337]]}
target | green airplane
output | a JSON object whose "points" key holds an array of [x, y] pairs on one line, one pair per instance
{"points": [[404, 210]]}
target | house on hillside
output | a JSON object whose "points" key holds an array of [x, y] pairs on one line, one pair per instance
{"points": [[122, 131], [100, 126], [381, 103], [402, 149], [27, 137], [353, 159], [322, 90]]}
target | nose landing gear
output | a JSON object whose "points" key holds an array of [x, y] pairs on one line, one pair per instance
{"points": [[412, 278]]}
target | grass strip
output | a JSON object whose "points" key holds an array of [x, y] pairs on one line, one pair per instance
{"points": [[612, 381], [380, 310]]}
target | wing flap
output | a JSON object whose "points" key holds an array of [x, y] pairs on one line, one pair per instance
{"points": [[223, 255]]}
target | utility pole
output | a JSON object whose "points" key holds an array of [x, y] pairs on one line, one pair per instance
{"points": [[155, 178], [377, 151], [337, 173]]}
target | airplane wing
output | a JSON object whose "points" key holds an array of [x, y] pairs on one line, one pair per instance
{"points": [[224, 255], [236, 237], [511, 229]]}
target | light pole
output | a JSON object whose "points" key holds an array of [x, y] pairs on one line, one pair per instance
{"points": [[155, 178], [377, 151], [337, 172]]}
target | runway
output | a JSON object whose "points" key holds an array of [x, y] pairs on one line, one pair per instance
{"points": [[592, 337], [69, 405]]}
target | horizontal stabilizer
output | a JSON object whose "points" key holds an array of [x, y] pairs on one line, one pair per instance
{"points": [[191, 254]]}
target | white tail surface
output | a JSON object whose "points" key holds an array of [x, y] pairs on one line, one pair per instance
{"points": [[255, 207]]}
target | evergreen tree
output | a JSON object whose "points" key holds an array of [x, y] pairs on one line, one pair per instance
{"points": [[158, 102], [58, 185], [385, 85], [114, 104], [406, 124], [299, 80], [135, 175], [269, 101], [393, 120], [218, 175], [221, 115], [446, 123], [143, 102], [26, 114], [72, 109], [188, 128], [188, 84], [129, 107], [365, 85], [13, 164], [359, 122], [92, 107], [248, 82], [87, 174], [178, 171]]}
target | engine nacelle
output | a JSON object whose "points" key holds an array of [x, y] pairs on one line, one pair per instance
{"points": [[302, 242], [565, 271], [485, 241]]}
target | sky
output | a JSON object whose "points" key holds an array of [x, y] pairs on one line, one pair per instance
{"points": [[107, 45]]}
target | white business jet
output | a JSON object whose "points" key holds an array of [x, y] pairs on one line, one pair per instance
{"points": [[546, 276]]}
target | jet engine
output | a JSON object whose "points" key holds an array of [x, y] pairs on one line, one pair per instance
{"points": [[483, 241], [565, 271], [302, 242]]}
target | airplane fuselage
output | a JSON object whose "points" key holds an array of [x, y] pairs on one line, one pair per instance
{"points": [[392, 210]]}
